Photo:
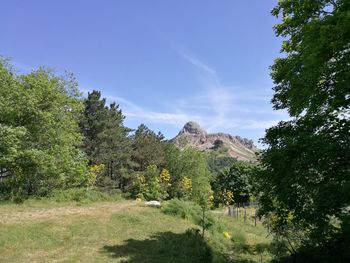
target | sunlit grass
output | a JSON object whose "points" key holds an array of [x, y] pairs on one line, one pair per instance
{"points": [[132, 234]]}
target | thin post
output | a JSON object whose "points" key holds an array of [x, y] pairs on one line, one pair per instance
{"points": [[255, 217], [245, 215]]}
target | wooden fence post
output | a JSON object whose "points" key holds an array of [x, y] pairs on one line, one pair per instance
{"points": [[255, 217]]}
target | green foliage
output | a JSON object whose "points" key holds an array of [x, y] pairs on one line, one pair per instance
{"points": [[181, 208], [147, 148], [40, 136], [227, 236], [238, 179], [187, 166], [151, 184], [106, 140], [95, 172], [189, 163], [189, 210], [306, 165], [145, 184], [92, 123]]}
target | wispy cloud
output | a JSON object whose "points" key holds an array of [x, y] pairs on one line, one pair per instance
{"points": [[132, 110], [217, 107], [226, 102], [197, 63]]}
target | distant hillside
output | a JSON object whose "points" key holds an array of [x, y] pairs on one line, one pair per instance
{"points": [[193, 135]]}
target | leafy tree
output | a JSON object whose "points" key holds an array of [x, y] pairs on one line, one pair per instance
{"points": [[40, 140], [189, 164], [238, 179], [191, 179], [306, 163], [204, 199]]}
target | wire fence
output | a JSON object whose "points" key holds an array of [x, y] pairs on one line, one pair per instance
{"points": [[244, 211]]}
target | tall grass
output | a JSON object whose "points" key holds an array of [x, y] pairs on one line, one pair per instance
{"points": [[84, 195]]}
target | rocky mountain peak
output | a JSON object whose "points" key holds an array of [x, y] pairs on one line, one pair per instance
{"points": [[192, 127], [192, 134]]}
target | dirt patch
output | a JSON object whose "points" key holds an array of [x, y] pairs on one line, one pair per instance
{"points": [[51, 213]]}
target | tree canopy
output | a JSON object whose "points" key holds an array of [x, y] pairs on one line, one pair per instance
{"points": [[306, 162], [40, 137]]}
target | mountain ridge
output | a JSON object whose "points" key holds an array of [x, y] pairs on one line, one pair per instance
{"points": [[192, 134]]}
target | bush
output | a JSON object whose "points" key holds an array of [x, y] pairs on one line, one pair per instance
{"points": [[180, 208], [188, 210]]}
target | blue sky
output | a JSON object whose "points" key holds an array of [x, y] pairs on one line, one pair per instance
{"points": [[164, 62]]}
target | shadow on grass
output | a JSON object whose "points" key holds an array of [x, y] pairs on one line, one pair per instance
{"points": [[256, 252], [163, 247]]}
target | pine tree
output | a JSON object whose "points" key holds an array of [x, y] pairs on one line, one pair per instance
{"points": [[106, 140], [148, 148], [92, 123]]}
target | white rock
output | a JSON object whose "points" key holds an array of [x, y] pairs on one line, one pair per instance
{"points": [[153, 203]]}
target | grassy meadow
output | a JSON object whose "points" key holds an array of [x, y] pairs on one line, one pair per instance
{"points": [[121, 231]]}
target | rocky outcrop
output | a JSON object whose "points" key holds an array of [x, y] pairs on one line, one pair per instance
{"points": [[193, 135]]}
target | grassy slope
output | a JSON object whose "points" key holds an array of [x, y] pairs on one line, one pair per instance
{"points": [[117, 232]]}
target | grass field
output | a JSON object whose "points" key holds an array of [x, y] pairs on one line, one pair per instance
{"points": [[123, 231]]}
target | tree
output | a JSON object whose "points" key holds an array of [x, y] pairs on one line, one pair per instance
{"points": [[306, 163], [204, 199], [147, 148], [106, 140], [238, 179], [115, 147], [92, 123], [40, 141], [189, 164], [191, 179]]}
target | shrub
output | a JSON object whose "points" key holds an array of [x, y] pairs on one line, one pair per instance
{"points": [[188, 210], [180, 208]]}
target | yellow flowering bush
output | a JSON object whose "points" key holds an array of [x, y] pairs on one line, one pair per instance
{"points": [[164, 183], [186, 187], [95, 170], [164, 176], [211, 198], [227, 197], [141, 179], [139, 185], [186, 183]]}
